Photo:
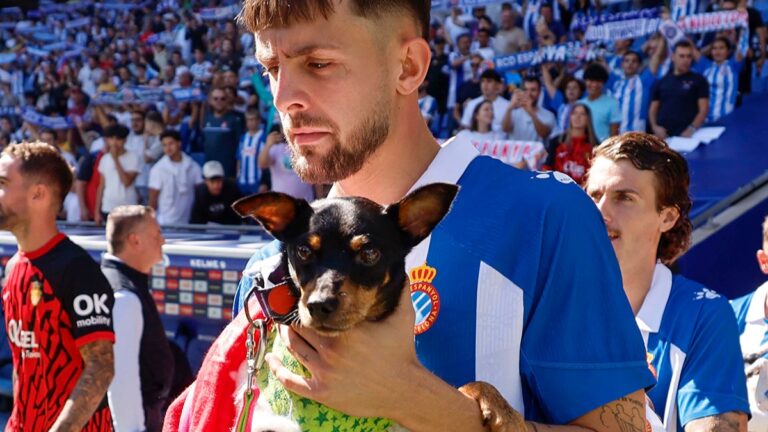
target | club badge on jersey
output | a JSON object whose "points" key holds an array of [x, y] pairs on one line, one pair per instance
{"points": [[425, 298]]}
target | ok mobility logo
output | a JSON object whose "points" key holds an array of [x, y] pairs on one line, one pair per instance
{"points": [[93, 308]]}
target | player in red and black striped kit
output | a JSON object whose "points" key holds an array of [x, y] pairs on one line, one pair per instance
{"points": [[56, 301]]}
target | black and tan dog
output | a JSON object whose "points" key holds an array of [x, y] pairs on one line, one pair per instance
{"points": [[347, 256]]}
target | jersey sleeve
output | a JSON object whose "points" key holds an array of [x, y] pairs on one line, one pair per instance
{"points": [[581, 346], [712, 381], [88, 300], [246, 282]]}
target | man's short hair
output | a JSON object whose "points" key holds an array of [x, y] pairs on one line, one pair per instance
{"points": [[154, 116], [637, 55], [725, 41], [253, 112], [43, 163], [685, 43], [649, 153], [532, 79], [596, 72], [171, 133], [117, 131], [121, 222], [490, 74], [258, 15]]}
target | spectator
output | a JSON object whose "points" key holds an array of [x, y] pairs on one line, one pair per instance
{"points": [[606, 116], [510, 38], [276, 157], [523, 119], [722, 74], [640, 186], [562, 102], [482, 45], [571, 152], [460, 67], [201, 69], [491, 86], [214, 198], [172, 182], [633, 93], [427, 104], [118, 169], [143, 360], [480, 128], [222, 129], [88, 179], [147, 149], [752, 318], [248, 171], [680, 100], [48, 295]]}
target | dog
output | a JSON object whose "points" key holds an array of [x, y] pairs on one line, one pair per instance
{"points": [[346, 259]]}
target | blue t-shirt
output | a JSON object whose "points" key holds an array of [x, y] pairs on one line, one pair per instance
{"points": [[605, 112], [723, 82], [633, 95], [693, 346], [521, 289]]}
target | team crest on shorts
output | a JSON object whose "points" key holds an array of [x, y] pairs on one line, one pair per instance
{"points": [[425, 298], [35, 292]]}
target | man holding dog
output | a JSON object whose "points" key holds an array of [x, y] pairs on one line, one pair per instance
{"points": [[496, 287], [640, 186]]}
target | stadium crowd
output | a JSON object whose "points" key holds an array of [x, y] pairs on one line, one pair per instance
{"points": [[139, 96]]}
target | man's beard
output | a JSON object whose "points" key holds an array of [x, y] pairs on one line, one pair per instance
{"points": [[342, 160], [8, 219]]}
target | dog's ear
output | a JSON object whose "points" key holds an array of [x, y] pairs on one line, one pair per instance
{"points": [[282, 215], [420, 211]]}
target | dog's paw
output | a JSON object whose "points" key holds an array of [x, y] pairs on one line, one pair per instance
{"points": [[498, 415]]}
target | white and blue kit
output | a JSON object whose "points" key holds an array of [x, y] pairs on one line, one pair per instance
{"points": [[693, 346], [633, 95], [249, 177], [537, 309], [753, 328], [723, 85], [457, 76]]}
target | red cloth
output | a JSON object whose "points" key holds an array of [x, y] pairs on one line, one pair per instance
{"points": [[213, 403], [574, 160]]}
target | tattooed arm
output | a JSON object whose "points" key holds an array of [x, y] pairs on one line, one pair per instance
{"points": [[90, 388], [732, 421], [626, 414]]}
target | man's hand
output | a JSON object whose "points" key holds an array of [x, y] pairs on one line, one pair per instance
{"points": [[355, 372], [273, 138], [97, 218], [660, 132], [687, 133], [98, 370]]}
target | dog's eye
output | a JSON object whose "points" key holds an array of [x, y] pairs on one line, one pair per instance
{"points": [[304, 253], [369, 257]]}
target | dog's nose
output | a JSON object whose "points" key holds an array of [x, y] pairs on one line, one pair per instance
{"points": [[322, 309]]}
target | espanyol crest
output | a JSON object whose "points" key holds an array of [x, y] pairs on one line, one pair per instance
{"points": [[426, 300]]}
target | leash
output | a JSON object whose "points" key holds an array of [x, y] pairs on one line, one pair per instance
{"points": [[279, 302]]}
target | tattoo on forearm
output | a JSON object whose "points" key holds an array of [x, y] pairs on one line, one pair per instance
{"points": [[628, 414], [90, 388], [726, 422]]}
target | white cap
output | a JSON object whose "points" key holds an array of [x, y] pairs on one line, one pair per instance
{"points": [[213, 169]]}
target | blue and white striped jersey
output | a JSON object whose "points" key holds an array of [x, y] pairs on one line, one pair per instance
{"points": [[248, 154], [693, 346], [633, 95], [723, 81], [518, 286]]}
